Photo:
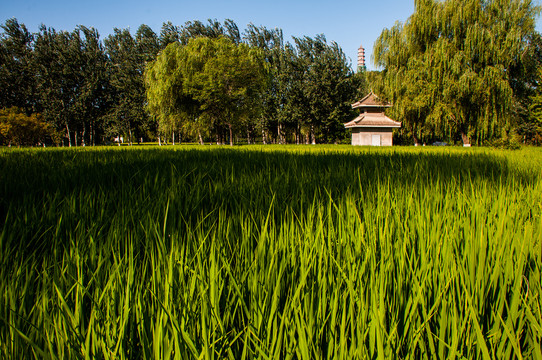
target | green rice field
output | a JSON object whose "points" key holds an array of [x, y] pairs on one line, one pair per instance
{"points": [[270, 252]]}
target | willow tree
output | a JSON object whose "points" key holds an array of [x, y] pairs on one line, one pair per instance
{"points": [[167, 98], [404, 80], [450, 64], [209, 84]]}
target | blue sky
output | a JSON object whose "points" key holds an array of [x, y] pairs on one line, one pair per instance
{"points": [[349, 23]]}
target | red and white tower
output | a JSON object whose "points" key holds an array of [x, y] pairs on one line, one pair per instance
{"points": [[361, 58]]}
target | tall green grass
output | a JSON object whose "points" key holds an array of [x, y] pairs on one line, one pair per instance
{"points": [[270, 253]]}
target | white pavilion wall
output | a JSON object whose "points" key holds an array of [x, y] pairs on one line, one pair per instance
{"points": [[364, 136]]}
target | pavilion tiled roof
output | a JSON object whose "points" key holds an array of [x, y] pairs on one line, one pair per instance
{"points": [[370, 101], [372, 120]]}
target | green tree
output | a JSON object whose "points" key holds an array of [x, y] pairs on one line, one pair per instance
{"points": [[213, 29], [271, 43], [224, 78], [526, 86], [93, 100], [64, 83], [327, 88], [128, 57], [447, 70], [169, 34], [17, 84], [213, 81], [533, 126], [167, 99]]}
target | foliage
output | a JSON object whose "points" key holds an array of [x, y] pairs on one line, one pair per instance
{"points": [[268, 252], [448, 69], [70, 81], [214, 29], [167, 99], [128, 57], [18, 129], [212, 79], [505, 143], [225, 78], [534, 128], [16, 86], [326, 88]]}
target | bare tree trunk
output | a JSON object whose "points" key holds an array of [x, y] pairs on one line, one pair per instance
{"points": [[264, 137], [159, 140], [231, 134], [279, 138], [313, 138], [200, 138], [69, 136], [465, 139], [75, 133], [173, 138]]}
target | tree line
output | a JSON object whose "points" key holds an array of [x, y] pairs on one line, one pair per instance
{"points": [[85, 91]]}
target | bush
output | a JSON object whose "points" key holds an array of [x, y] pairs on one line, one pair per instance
{"points": [[16, 128]]}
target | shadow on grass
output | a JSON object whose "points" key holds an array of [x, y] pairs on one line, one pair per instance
{"points": [[94, 188]]}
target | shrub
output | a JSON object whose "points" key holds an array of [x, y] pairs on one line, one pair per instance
{"points": [[17, 128]]}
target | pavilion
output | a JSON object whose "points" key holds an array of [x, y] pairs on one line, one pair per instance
{"points": [[372, 127]]}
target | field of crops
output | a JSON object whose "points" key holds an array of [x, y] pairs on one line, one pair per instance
{"points": [[270, 253]]}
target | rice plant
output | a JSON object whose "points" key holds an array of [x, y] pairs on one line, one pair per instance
{"points": [[270, 252]]}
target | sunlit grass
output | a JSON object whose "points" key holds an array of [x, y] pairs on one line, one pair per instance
{"points": [[270, 252]]}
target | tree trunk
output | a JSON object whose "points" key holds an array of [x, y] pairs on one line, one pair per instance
{"points": [[313, 138], [264, 137], [200, 138], [465, 139], [173, 138], [75, 133], [159, 140], [231, 134], [414, 137], [69, 136]]}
